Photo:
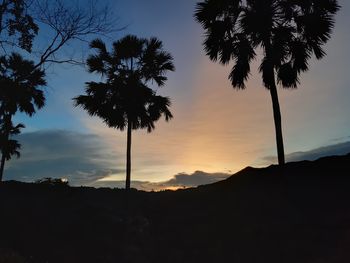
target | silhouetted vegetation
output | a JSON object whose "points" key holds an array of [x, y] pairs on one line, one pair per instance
{"points": [[21, 80], [52, 181], [21, 84], [17, 27], [125, 99], [288, 32], [8, 146], [63, 22], [254, 216]]}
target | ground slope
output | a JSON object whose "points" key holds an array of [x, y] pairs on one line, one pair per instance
{"points": [[300, 213]]}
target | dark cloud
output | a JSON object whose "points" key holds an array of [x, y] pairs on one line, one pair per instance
{"points": [[80, 158], [84, 159], [195, 179], [181, 180], [334, 149]]}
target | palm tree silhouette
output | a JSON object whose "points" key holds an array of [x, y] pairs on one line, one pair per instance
{"points": [[125, 99], [288, 32], [20, 83]]}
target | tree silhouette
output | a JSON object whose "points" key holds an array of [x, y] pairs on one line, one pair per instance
{"points": [[8, 146], [125, 100], [20, 84], [64, 22], [17, 27], [288, 32]]}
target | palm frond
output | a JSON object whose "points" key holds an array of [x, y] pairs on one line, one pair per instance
{"points": [[244, 54], [11, 148], [99, 45], [125, 97], [300, 54], [266, 68], [159, 106], [23, 84], [288, 32], [287, 75], [155, 62], [128, 47]]}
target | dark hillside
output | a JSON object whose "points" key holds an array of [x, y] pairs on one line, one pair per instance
{"points": [[298, 214]]}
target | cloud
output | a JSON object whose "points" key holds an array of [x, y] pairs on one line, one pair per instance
{"points": [[84, 159], [80, 158], [181, 180], [195, 179], [334, 149]]}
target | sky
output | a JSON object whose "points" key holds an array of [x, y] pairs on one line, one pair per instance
{"points": [[216, 130]]}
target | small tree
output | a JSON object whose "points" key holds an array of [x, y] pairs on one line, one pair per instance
{"points": [[288, 31], [125, 100]]}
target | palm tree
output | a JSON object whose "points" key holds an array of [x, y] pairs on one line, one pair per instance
{"points": [[20, 83], [288, 32], [8, 147], [125, 100]]}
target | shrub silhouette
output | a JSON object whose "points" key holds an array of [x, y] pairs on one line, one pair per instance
{"points": [[52, 181]]}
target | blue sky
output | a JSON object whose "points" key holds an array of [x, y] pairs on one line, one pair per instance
{"points": [[215, 130]]}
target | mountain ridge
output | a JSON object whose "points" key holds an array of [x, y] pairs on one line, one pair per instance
{"points": [[299, 213]]}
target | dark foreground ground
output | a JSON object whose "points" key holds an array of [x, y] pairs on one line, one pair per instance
{"points": [[298, 214]]}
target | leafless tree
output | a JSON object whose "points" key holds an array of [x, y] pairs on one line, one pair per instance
{"points": [[66, 23], [47, 28]]}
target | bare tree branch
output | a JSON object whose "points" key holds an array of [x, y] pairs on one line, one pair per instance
{"points": [[67, 61], [69, 23], [61, 23]]}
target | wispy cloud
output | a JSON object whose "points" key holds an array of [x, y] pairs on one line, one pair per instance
{"points": [[80, 158], [334, 149]]}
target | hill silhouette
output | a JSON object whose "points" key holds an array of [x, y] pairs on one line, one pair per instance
{"points": [[300, 213]]}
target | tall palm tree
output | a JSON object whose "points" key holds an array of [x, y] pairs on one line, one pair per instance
{"points": [[20, 91], [125, 100], [288, 32]]}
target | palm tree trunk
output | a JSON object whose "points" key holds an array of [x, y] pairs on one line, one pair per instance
{"points": [[128, 158], [2, 166], [278, 123], [275, 104], [7, 121]]}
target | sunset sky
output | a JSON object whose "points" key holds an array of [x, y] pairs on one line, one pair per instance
{"points": [[216, 130]]}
